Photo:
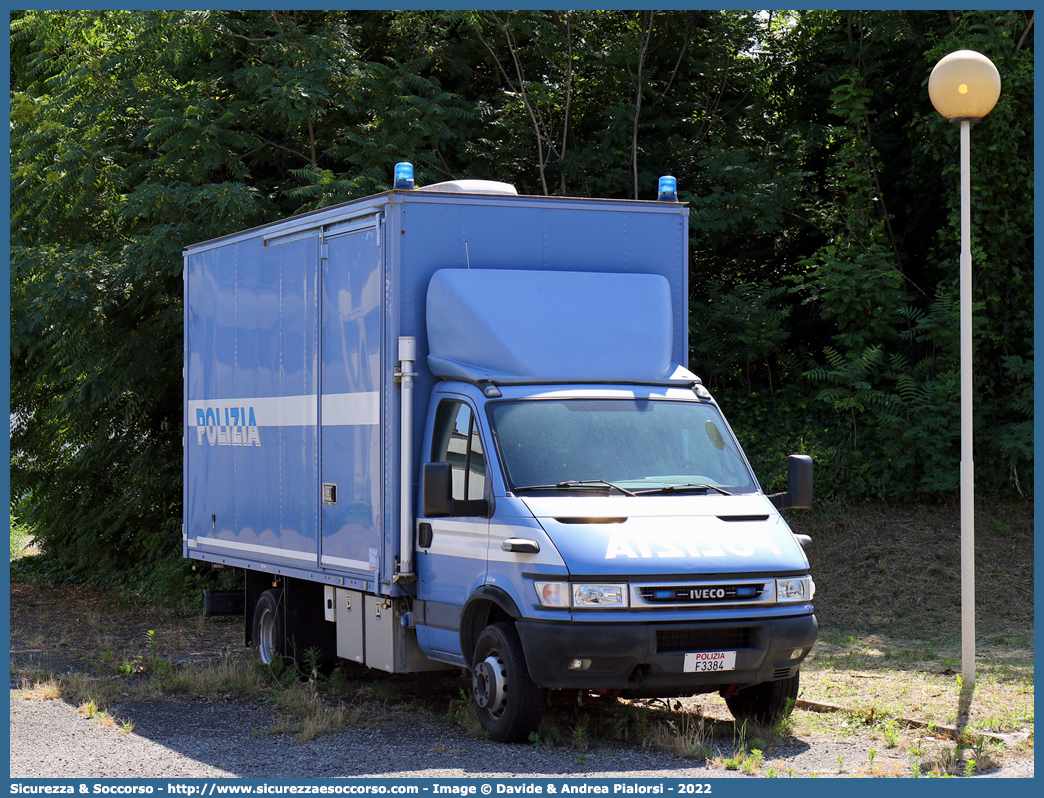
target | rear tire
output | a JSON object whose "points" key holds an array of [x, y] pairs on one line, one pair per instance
{"points": [[269, 630], [508, 704], [766, 703]]}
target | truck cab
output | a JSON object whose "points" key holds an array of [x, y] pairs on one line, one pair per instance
{"points": [[603, 536]]}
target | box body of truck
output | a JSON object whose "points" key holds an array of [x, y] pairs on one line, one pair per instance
{"points": [[415, 420]]}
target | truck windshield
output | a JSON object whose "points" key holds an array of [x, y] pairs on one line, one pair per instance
{"points": [[638, 445]]}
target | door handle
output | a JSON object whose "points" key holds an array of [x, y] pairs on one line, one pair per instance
{"points": [[520, 545]]}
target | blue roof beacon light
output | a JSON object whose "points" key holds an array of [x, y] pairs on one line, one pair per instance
{"points": [[668, 189], [403, 175]]}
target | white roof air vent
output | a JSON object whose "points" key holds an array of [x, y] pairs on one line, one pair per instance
{"points": [[471, 187]]}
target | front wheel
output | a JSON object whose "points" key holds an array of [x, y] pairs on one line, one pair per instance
{"points": [[508, 704], [767, 703]]}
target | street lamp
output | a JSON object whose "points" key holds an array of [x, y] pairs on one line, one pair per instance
{"points": [[964, 87]]}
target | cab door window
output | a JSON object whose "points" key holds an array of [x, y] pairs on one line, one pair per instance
{"points": [[457, 441]]}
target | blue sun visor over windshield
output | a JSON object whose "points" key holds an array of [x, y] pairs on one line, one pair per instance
{"points": [[513, 326]]}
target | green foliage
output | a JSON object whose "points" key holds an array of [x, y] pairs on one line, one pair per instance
{"points": [[822, 189], [751, 319], [877, 300], [21, 539]]}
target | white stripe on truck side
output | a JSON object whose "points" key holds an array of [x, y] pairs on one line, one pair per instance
{"points": [[339, 409]]}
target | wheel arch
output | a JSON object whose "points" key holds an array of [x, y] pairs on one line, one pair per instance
{"points": [[487, 605]]}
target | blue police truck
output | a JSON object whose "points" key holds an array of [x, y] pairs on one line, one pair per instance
{"points": [[452, 427]]}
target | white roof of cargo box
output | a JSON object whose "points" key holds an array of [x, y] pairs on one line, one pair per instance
{"points": [[471, 187], [514, 326]]}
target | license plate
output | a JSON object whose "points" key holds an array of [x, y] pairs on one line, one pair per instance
{"points": [[709, 661]]}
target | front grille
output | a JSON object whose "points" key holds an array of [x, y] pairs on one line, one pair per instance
{"points": [[669, 640], [701, 594]]}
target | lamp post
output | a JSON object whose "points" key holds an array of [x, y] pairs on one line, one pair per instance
{"points": [[964, 87]]}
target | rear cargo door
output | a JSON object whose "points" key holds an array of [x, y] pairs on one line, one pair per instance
{"points": [[251, 401], [351, 452]]}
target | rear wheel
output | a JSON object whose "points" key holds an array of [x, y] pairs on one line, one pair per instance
{"points": [[508, 704], [767, 703], [269, 631]]}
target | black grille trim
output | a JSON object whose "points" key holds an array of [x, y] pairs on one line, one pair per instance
{"points": [[674, 640], [701, 594]]}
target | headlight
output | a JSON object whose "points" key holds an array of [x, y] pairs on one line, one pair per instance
{"points": [[564, 594], [599, 596], [793, 590]]}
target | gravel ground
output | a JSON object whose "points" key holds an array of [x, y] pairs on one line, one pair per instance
{"points": [[185, 738]]}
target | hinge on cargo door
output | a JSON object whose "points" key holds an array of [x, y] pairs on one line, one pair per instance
{"points": [[324, 251]]}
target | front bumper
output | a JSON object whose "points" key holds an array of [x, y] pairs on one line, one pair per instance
{"points": [[640, 656]]}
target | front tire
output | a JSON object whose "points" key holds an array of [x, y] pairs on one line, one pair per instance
{"points": [[269, 630], [508, 704], [766, 703]]}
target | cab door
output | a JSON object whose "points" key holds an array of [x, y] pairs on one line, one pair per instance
{"points": [[452, 551]]}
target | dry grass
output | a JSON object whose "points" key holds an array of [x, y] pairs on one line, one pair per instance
{"points": [[304, 711], [80, 687], [888, 603], [689, 736], [76, 689], [303, 708], [89, 709], [69, 627], [230, 676], [894, 571], [49, 690]]}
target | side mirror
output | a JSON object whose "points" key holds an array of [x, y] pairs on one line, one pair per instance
{"points": [[437, 490], [799, 480], [799, 484], [437, 495]]}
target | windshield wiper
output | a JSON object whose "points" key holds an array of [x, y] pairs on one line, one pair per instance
{"points": [[578, 483], [685, 488]]}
